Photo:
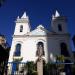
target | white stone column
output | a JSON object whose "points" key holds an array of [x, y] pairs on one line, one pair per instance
{"points": [[40, 67]]}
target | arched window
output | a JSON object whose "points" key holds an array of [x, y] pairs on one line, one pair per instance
{"points": [[40, 49], [59, 27], [64, 50], [17, 50], [21, 28]]}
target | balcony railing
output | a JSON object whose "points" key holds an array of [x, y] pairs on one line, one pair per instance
{"points": [[17, 58], [17, 68]]}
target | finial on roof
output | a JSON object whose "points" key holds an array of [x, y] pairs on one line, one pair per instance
{"points": [[40, 26], [53, 16], [24, 15], [18, 17], [57, 14]]}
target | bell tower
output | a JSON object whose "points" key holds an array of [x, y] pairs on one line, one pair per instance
{"points": [[59, 23], [22, 28], [22, 25]]}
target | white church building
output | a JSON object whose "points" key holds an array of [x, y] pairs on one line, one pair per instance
{"points": [[25, 42]]}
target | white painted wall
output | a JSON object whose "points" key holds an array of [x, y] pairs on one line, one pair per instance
{"points": [[29, 40], [29, 47], [26, 28]]}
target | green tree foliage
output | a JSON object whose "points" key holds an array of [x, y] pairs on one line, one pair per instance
{"points": [[49, 69], [1, 2], [31, 68], [60, 58]]}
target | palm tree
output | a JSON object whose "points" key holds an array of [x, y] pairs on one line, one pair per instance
{"points": [[60, 60]]}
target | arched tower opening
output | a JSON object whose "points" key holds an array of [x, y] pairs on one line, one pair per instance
{"points": [[64, 49]]}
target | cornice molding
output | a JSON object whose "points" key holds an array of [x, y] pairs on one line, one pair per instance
{"points": [[48, 35]]}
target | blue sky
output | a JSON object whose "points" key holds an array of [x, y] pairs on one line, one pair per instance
{"points": [[39, 12]]}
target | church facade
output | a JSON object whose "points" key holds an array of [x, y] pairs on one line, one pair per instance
{"points": [[26, 43]]}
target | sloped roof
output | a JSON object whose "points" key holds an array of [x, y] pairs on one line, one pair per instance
{"points": [[40, 30]]}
